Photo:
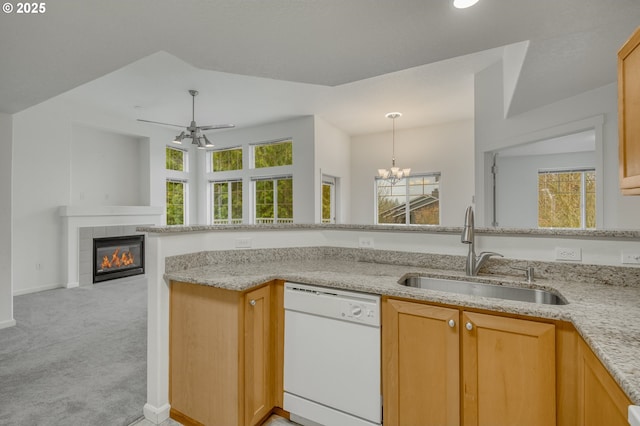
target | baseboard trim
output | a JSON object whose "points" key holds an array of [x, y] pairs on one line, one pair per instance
{"points": [[156, 415], [36, 289], [7, 324], [184, 419]]}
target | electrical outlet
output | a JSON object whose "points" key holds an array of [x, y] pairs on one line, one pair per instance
{"points": [[365, 242], [567, 253], [243, 242], [632, 258]]}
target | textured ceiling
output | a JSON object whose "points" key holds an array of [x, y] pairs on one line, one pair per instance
{"points": [[316, 44]]}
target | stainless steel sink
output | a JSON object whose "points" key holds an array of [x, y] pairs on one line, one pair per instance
{"points": [[485, 290]]}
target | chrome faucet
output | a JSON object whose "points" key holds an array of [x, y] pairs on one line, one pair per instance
{"points": [[474, 263]]}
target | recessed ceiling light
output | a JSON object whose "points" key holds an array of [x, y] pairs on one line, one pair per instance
{"points": [[463, 4]]}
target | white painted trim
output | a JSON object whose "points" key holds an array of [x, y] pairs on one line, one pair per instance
{"points": [[7, 324], [39, 289], [156, 415]]}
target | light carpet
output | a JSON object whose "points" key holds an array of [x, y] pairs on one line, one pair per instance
{"points": [[76, 356]]}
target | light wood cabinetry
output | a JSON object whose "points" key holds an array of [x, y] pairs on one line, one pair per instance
{"points": [[629, 115], [224, 354], [421, 367], [506, 367], [600, 399], [508, 371]]}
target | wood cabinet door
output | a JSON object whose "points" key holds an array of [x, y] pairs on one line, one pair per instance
{"points": [[204, 338], [629, 115], [420, 364], [508, 371], [600, 399], [258, 355]]}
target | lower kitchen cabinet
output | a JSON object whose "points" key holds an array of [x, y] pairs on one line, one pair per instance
{"points": [[420, 364], [225, 354], [506, 367], [600, 399], [509, 375]]}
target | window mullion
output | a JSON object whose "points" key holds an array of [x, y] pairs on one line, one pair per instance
{"points": [[407, 213], [275, 201]]}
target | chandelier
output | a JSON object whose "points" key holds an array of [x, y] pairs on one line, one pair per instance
{"points": [[394, 174]]}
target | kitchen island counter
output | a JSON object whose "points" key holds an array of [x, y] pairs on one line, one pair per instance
{"points": [[607, 316]]}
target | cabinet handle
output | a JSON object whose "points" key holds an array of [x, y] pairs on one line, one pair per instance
{"points": [[469, 326], [452, 323], [252, 302]]}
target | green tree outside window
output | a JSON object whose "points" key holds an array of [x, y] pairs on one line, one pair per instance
{"points": [[273, 154], [175, 203]]}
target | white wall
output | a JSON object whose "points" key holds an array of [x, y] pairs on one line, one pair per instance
{"points": [[493, 131], [43, 166], [333, 158], [105, 168], [446, 148], [517, 185], [6, 301], [300, 130]]}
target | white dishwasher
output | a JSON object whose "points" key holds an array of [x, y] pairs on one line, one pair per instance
{"points": [[331, 356]]}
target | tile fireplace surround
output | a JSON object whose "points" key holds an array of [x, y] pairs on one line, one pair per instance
{"points": [[82, 224]]}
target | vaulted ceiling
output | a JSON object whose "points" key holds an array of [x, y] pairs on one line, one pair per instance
{"points": [[269, 59]]}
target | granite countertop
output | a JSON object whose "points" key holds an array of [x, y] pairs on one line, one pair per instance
{"points": [[607, 316], [429, 229]]}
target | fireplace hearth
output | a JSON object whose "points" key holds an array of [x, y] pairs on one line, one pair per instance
{"points": [[117, 257]]}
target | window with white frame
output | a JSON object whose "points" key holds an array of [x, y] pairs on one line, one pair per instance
{"points": [[273, 154], [273, 199], [176, 186], [226, 202], [567, 198], [228, 159], [410, 201]]}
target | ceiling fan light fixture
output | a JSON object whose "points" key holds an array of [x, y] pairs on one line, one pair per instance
{"points": [[178, 139], [207, 142], [463, 4]]}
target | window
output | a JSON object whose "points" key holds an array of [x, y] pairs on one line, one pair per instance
{"points": [[175, 159], [567, 199], [273, 154], [328, 199], [414, 200], [176, 196], [273, 200], [226, 160], [226, 199], [176, 185]]}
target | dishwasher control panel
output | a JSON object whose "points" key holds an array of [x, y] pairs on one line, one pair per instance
{"points": [[334, 303]]}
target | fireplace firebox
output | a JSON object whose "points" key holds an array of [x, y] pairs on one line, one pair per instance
{"points": [[117, 257]]}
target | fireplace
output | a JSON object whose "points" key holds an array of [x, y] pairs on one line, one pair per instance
{"points": [[117, 257]]}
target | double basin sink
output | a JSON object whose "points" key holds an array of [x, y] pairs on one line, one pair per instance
{"points": [[521, 294]]}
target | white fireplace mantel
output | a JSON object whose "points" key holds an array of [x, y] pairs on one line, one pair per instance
{"points": [[76, 217]]}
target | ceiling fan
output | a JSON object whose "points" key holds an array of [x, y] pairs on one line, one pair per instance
{"points": [[194, 132]]}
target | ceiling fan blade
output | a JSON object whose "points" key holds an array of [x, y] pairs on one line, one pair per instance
{"points": [[164, 124], [217, 126]]}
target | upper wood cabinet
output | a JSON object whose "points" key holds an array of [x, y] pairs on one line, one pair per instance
{"points": [[629, 115]]}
